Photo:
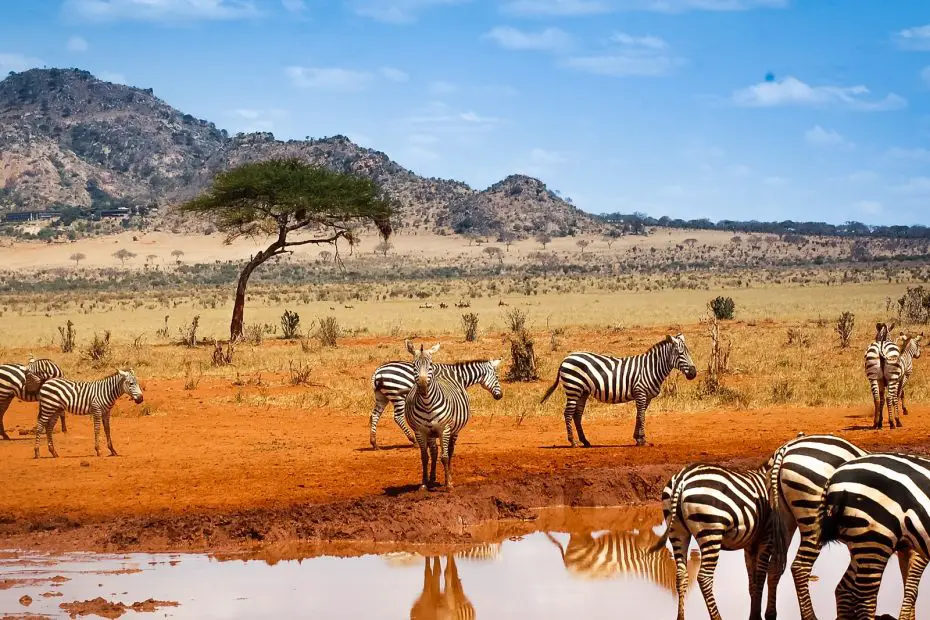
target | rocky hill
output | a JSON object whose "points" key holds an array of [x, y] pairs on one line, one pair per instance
{"points": [[69, 139]]}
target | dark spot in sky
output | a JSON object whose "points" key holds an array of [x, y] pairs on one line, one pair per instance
{"points": [[769, 77]]}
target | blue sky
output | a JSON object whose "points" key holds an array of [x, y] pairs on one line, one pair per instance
{"points": [[741, 109]]}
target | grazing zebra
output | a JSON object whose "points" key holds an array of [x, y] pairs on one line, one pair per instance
{"points": [[392, 381], [623, 553], [619, 380], [881, 358], [82, 398], [722, 509], [23, 382], [910, 350], [446, 600], [800, 470], [437, 408], [878, 504]]}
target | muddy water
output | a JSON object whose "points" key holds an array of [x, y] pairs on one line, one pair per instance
{"points": [[567, 567]]}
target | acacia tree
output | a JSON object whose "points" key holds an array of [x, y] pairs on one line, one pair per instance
{"points": [[280, 197], [77, 257], [123, 255]]}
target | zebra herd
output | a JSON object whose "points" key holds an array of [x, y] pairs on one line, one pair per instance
{"points": [[829, 489], [888, 367], [42, 380]]}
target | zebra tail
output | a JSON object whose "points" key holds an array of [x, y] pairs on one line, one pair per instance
{"points": [[551, 389], [829, 516], [779, 557], [672, 515]]}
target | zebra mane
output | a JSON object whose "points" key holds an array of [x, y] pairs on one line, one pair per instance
{"points": [[467, 362], [664, 343]]}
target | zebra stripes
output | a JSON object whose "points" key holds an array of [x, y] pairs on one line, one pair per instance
{"points": [[910, 350], [619, 380], [881, 358], [23, 382], [722, 509], [446, 600], [392, 381], [800, 470], [82, 398], [878, 504], [437, 408]]}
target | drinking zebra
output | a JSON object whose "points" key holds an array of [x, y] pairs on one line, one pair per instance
{"points": [[392, 381], [437, 408], [619, 380], [880, 358], [800, 470], [95, 398], [910, 350], [446, 600], [722, 509], [878, 504], [23, 382]]}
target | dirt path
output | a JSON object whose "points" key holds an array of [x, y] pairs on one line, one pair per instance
{"points": [[206, 477]]}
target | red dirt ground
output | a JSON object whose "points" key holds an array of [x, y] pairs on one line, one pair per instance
{"points": [[203, 477]]}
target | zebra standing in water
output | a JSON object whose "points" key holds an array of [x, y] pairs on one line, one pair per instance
{"points": [[722, 509], [878, 504], [82, 398], [392, 381], [23, 382], [619, 380], [910, 350], [879, 356], [437, 408], [800, 470]]}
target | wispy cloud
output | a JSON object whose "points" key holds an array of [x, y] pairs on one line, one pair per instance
{"points": [[294, 6], [395, 75], [441, 88], [916, 38], [869, 207], [914, 186], [776, 181], [160, 10], [76, 44], [862, 176], [566, 8], [629, 56], [329, 78], [248, 120], [912, 154], [547, 157], [396, 11], [548, 40], [818, 136], [791, 91], [112, 76], [925, 75], [560, 8], [17, 62], [440, 119]]}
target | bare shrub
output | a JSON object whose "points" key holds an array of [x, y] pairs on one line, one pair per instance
{"points": [[163, 331], [67, 334], [191, 381], [328, 331], [470, 326], [796, 336], [844, 328], [290, 325], [522, 354], [221, 357], [299, 374], [98, 351], [782, 392], [914, 305], [188, 334]]}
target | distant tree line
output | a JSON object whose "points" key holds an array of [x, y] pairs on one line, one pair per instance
{"points": [[639, 221]]}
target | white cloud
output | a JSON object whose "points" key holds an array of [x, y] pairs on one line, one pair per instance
{"points": [[925, 75], [862, 176], [471, 117], [871, 207], [396, 11], [395, 75], [441, 89], [818, 136], [914, 186], [361, 139], [547, 157], [16, 62], [739, 170], [76, 44], [631, 56], [548, 40], [294, 6], [329, 78], [914, 154], [440, 119], [791, 91], [249, 120], [111, 76], [916, 38], [420, 138], [594, 7], [776, 181], [160, 10]]}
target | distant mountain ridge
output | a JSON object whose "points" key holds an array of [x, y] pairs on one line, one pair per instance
{"points": [[69, 139]]}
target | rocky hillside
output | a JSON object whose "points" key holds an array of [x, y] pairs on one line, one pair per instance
{"points": [[69, 139]]}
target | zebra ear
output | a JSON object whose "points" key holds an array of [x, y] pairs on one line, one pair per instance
{"points": [[410, 348], [495, 363], [434, 348]]}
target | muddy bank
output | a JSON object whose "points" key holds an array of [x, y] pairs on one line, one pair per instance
{"points": [[401, 515]]}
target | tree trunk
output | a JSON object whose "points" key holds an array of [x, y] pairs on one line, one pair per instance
{"points": [[236, 325]]}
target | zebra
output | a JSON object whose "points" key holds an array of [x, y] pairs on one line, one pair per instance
{"points": [[910, 350], [800, 470], [392, 381], [445, 600], [619, 380], [82, 398], [437, 407], [481, 552], [881, 357], [23, 382], [626, 553], [722, 508], [877, 504]]}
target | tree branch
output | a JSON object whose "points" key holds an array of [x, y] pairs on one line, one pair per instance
{"points": [[341, 233]]}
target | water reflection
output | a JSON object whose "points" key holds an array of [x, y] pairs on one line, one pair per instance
{"points": [[446, 600]]}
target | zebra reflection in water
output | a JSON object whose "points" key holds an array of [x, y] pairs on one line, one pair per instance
{"points": [[444, 600]]}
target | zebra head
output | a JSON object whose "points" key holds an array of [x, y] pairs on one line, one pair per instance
{"points": [[129, 385], [910, 344], [490, 380], [683, 360], [423, 366]]}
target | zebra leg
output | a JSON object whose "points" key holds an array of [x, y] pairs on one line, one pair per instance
{"points": [[106, 430], [4, 405], [576, 417], [98, 420], [569, 409], [893, 405], [774, 576], [424, 460], [878, 403], [857, 592], [639, 433], [64, 427], [433, 453], [801, 567], [681, 540], [757, 557], [400, 418], [912, 569], [710, 553], [381, 402], [901, 399], [40, 429], [447, 456]]}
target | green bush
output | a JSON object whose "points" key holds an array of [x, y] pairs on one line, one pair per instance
{"points": [[723, 307]]}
